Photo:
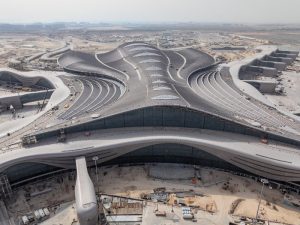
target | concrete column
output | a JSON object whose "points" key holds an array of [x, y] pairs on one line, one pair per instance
{"points": [[86, 202]]}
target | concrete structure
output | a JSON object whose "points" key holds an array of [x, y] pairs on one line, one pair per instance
{"points": [[44, 89], [277, 65], [285, 54], [286, 60], [86, 202], [221, 149], [60, 93], [6, 102], [15, 79], [267, 65], [264, 71], [51, 56], [264, 86], [18, 100]]}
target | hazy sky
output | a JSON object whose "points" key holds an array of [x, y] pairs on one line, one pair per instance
{"points": [[238, 11]]}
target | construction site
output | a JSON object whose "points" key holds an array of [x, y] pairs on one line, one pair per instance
{"points": [[129, 126], [135, 195]]}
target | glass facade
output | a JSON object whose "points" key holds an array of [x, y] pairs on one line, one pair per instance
{"points": [[161, 153], [173, 153], [168, 116]]}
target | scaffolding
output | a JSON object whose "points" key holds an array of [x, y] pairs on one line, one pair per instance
{"points": [[5, 188]]}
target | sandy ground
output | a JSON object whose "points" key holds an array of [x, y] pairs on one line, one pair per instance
{"points": [[135, 180], [268, 211], [132, 181], [19, 45], [93, 46], [15, 46]]}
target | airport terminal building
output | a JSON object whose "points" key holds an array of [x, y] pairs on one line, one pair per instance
{"points": [[141, 104]]}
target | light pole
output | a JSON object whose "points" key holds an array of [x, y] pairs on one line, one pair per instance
{"points": [[264, 181], [95, 158]]}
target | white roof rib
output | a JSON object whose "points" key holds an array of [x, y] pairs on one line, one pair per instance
{"points": [[153, 68], [136, 44], [142, 48], [147, 54], [150, 61], [156, 75], [160, 88], [159, 82], [165, 97]]}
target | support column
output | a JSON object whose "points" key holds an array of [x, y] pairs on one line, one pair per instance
{"points": [[86, 202]]}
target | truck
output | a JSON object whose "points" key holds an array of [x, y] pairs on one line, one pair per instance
{"points": [[37, 214], [25, 220], [41, 212], [46, 211]]}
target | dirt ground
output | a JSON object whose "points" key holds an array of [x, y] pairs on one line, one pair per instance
{"points": [[132, 181], [268, 211], [15, 46]]}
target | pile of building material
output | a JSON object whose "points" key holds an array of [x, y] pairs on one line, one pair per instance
{"points": [[291, 200], [37, 216], [234, 205], [187, 213], [121, 210]]}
